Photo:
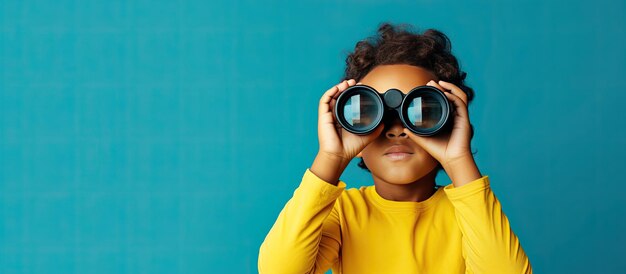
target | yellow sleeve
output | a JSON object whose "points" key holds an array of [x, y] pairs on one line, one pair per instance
{"points": [[489, 244], [306, 236]]}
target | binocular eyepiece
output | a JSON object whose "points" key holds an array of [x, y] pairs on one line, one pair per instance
{"points": [[424, 110]]}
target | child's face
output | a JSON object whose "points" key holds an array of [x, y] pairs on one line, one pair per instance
{"points": [[417, 164]]}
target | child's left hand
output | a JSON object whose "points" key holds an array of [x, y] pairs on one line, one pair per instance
{"points": [[448, 147]]}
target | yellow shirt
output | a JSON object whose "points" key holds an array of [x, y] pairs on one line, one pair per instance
{"points": [[456, 230]]}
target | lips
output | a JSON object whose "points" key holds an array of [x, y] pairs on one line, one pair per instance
{"points": [[398, 149]]}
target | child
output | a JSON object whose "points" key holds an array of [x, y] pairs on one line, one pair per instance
{"points": [[405, 223]]}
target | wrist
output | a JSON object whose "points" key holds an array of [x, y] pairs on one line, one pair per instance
{"points": [[462, 170], [329, 167], [458, 160]]}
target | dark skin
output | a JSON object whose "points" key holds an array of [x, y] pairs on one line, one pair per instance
{"points": [[411, 175], [410, 179]]}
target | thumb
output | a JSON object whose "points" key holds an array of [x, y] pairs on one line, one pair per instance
{"points": [[416, 138], [372, 136]]}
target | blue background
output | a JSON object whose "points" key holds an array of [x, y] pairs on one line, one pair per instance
{"points": [[165, 137]]}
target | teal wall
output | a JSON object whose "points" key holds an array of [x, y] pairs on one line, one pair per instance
{"points": [[165, 137]]}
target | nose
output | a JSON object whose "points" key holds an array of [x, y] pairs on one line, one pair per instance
{"points": [[394, 129]]}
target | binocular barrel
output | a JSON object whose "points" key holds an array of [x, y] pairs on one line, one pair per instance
{"points": [[424, 110]]}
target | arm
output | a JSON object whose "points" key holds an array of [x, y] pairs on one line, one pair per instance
{"points": [[489, 244], [306, 236]]}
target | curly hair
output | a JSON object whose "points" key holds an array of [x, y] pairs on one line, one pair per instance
{"points": [[398, 44]]}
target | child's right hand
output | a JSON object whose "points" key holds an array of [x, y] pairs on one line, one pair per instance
{"points": [[336, 143], [333, 139]]}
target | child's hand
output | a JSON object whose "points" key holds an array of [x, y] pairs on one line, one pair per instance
{"points": [[333, 139], [337, 146], [448, 147]]}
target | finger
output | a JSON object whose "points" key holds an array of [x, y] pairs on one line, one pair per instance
{"points": [[432, 83], [459, 104], [455, 90], [416, 138], [343, 86], [332, 106], [328, 95], [375, 134]]}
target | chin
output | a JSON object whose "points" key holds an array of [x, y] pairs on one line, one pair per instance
{"points": [[401, 175]]}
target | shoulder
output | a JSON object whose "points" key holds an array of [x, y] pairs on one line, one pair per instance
{"points": [[355, 197]]}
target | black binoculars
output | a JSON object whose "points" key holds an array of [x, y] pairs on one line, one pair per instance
{"points": [[424, 110]]}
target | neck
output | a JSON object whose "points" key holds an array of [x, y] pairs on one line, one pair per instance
{"points": [[417, 191]]}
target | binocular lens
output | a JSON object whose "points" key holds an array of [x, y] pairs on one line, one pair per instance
{"points": [[361, 110], [425, 111]]}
